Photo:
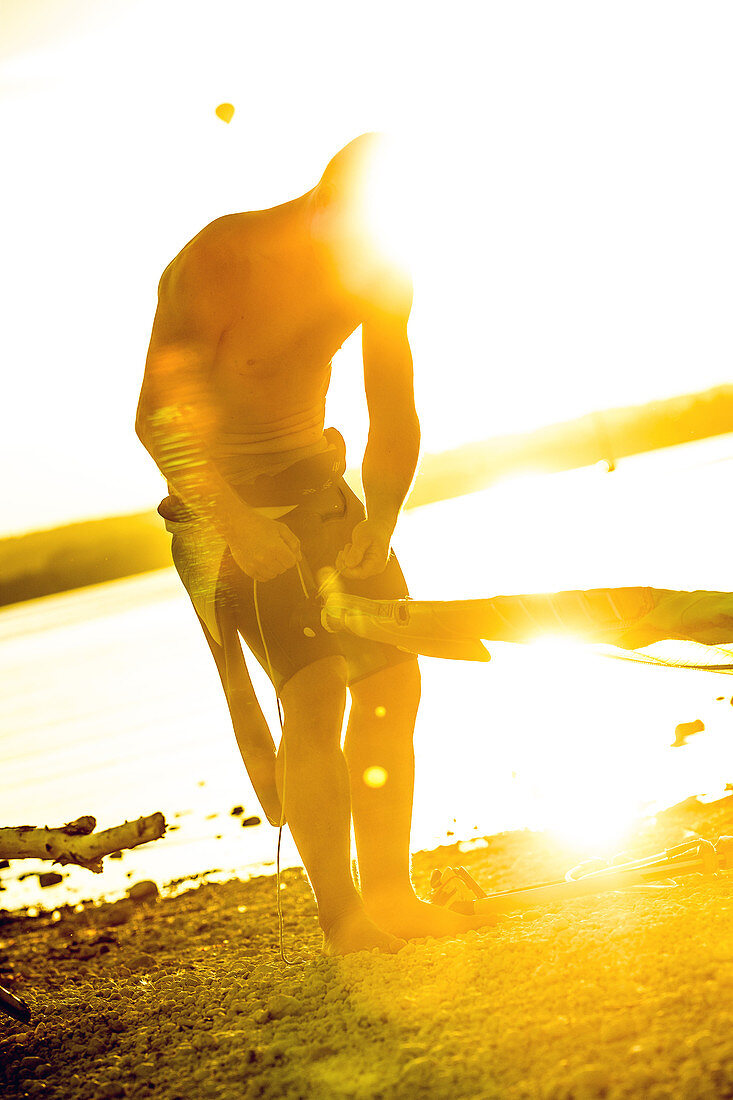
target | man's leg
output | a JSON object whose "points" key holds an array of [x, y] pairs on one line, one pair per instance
{"points": [[314, 784], [381, 762], [251, 731]]}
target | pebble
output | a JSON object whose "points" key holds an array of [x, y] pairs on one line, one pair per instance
{"points": [[120, 912], [273, 1053], [319, 1051], [143, 890], [283, 1005], [589, 1082], [50, 878], [145, 1070], [30, 1062], [142, 962]]}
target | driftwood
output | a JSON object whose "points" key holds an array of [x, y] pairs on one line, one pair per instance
{"points": [[76, 842]]}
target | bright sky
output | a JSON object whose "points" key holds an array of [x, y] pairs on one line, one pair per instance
{"points": [[576, 223]]}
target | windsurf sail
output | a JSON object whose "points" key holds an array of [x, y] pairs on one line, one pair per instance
{"points": [[655, 625]]}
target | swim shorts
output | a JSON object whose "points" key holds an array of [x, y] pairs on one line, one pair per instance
{"points": [[288, 635]]}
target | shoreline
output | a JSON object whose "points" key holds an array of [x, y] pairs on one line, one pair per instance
{"points": [[185, 995]]}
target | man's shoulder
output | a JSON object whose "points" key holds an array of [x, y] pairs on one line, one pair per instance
{"points": [[217, 253], [224, 235]]}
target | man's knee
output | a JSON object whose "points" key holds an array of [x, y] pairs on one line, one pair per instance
{"points": [[319, 687], [391, 690]]}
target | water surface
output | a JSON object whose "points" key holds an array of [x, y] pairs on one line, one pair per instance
{"points": [[110, 703]]}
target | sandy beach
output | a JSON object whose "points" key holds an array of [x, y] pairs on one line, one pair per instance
{"points": [[182, 993]]}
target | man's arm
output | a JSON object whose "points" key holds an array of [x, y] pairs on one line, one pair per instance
{"points": [[393, 444], [176, 416]]}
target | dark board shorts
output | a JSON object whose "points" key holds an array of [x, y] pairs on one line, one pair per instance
{"points": [[289, 619]]}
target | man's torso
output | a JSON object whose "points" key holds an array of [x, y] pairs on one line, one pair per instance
{"points": [[286, 316]]}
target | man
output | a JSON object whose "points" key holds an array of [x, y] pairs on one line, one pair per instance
{"points": [[250, 314]]}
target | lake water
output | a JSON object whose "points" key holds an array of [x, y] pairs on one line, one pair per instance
{"points": [[110, 703]]}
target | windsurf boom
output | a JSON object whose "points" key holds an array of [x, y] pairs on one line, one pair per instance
{"points": [[655, 625], [455, 889]]}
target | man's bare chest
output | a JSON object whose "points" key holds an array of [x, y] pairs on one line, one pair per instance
{"points": [[281, 325]]}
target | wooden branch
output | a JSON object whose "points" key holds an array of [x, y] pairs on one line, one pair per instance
{"points": [[76, 842]]}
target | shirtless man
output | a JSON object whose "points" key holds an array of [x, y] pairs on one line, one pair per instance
{"points": [[250, 314]]}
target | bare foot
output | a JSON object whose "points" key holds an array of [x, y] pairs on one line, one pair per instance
{"points": [[405, 915], [355, 932]]}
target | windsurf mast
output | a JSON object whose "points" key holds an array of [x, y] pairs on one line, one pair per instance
{"points": [[633, 620]]}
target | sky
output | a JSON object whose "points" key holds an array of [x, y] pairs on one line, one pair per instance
{"points": [[574, 224]]}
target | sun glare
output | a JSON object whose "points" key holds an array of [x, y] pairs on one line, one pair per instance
{"points": [[581, 793], [588, 823], [558, 650], [389, 206]]}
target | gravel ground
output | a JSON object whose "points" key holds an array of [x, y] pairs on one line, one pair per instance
{"points": [[186, 996]]}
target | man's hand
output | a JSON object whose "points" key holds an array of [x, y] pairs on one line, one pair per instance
{"points": [[263, 548], [367, 553]]}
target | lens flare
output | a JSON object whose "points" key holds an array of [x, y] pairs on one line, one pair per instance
{"points": [[375, 776], [388, 206], [225, 111]]}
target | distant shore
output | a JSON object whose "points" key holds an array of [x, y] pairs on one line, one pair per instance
{"points": [[621, 995], [44, 562]]}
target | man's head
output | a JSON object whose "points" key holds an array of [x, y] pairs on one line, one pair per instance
{"points": [[360, 197]]}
